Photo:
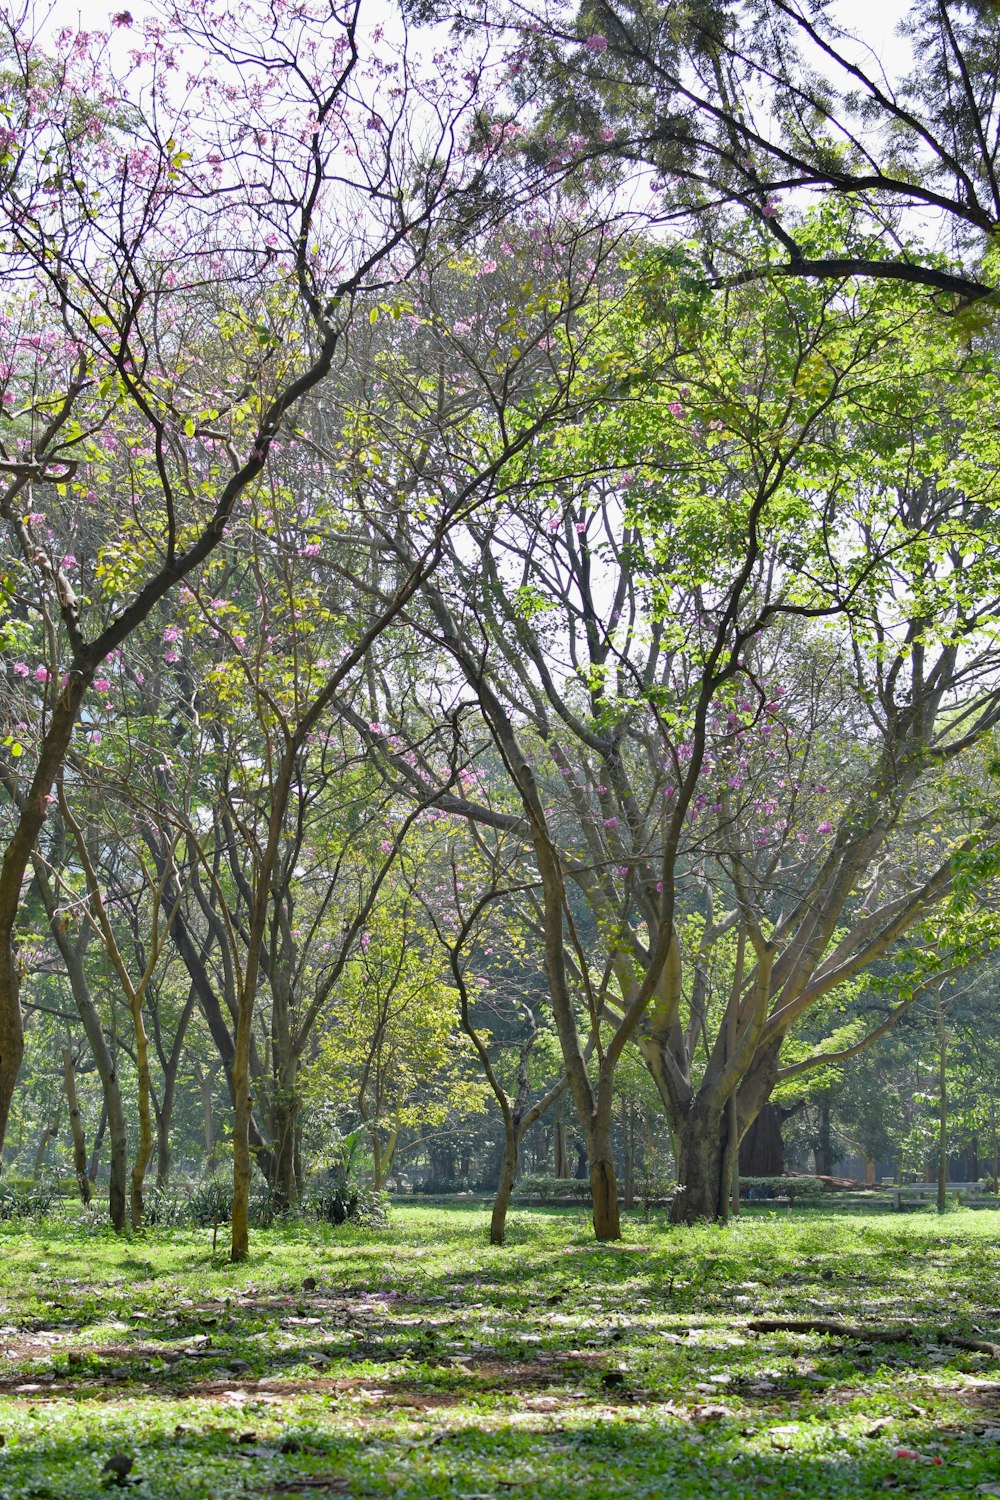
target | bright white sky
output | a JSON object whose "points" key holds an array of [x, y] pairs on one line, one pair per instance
{"points": [[873, 21]]}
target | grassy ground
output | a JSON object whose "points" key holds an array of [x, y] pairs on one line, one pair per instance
{"points": [[419, 1362]]}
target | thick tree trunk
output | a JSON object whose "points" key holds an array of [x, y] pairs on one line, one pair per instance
{"points": [[603, 1178], [205, 1081], [501, 1203], [762, 1150], [76, 1126], [701, 1159]]}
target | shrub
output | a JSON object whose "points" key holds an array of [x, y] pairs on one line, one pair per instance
{"points": [[25, 1200], [536, 1185], [757, 1189]]}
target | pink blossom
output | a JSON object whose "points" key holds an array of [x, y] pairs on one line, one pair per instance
{"points": [[611, 823], [386, 846], [102, 685], [675, 408], [21, 669], [95, 736], [607, 134], [41, 674], [366, 938], [68, 562], [375, 728], [172, 633], [596, 43], [825, 827]]}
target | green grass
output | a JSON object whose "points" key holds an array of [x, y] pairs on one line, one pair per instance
{"points": [[424, 1363]]}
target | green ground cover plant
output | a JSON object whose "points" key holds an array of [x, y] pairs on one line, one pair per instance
{"points": [[416, 1360]]}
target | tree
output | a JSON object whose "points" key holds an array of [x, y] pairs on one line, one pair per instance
{"points": [[735, 105], [679, 734], [181, 268]]}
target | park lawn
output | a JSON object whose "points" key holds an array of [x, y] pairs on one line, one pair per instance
{"points": [[424, 1363]]}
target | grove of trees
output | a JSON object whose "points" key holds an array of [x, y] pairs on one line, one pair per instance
{"points": [[500, 591]]}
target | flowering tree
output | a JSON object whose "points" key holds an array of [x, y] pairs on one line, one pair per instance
{"points": [[682, 735], [191, 215]]}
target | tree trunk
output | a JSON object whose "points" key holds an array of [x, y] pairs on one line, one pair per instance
{"points": [[11, 1027], [162, 1150], [144, 1149], [205, 1083], [48, 1133], [284, 1122], [603, 1178], [76, 1126], [701, 1159], [560, 1152], [242, 1160], [95, 1155], [104, 1059], [869, 1171], [628, 1156], [823, 1149], [942, 1161], [501, 1203], [762, 1150]]}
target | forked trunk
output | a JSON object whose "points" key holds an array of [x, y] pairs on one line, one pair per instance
{"points": [[501, 1203]]}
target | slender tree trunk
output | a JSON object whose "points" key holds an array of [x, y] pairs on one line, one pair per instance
{"points": [[205, 1082], [284, 1117], [76, 1126], [601, 1156], [11, 1026], [628, 1156], [144, 1149], [942, 1160], [48, 1133], [559, 1150], [501, 1203], [242, 1112], [162, 1149], [95, 1154], [104, 1059]]}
